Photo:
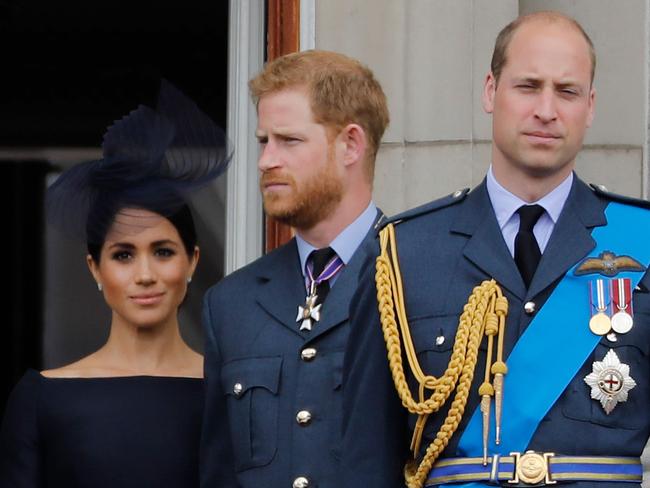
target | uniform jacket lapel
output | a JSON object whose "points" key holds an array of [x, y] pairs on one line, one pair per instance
{"points": [[571, 238], [485, 246], [281, 286], [336, 309]]}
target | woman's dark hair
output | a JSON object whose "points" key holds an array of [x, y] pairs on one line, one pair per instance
{"points": [[182, 220]]}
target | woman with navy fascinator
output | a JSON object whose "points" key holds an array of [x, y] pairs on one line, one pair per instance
{"points": [[129, 414]]}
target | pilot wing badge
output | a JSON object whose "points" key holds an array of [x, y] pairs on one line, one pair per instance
{"points": [[608, 264]]}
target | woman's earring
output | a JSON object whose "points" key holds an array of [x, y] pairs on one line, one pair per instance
{"points": [[189, 280], [99, 286]]}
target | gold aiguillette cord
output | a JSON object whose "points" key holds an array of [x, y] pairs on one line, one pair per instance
{"points": [[484, 313]]}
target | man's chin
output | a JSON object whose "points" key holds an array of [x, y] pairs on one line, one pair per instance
{"points": [[292, 218], [543, 169], [279, 212]]}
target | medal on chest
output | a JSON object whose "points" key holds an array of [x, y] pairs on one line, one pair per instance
{"points": [[309, 313], [611, 297], [611, 307], [622, 321], [611, 314], [600, 323]]}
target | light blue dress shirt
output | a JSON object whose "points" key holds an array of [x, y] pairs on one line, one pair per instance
{"points": [[346, 243], [505, 206]]}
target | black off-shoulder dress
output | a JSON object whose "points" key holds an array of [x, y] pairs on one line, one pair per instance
{"points": [[139, 432]]}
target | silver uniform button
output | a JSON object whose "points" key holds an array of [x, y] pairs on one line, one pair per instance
{"points": [[303, 417], [308, 353], [457, 193], [440, 340], [301, 482], [529, 308], [237, 389]]}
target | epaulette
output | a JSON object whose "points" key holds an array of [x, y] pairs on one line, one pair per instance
{"points": [[601, 191], [451, 199]]}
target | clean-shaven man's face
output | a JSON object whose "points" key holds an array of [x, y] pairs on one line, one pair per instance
{"points": [[543, 101]]}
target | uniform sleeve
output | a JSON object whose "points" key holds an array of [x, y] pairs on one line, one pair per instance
{"points": [[375, 446], [20, 449], [217, 462]]}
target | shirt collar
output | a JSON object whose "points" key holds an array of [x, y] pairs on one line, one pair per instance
{"points": [[505, 204], [347, 242]]}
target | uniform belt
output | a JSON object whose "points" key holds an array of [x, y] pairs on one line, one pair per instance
{"points": [[535, 469]]}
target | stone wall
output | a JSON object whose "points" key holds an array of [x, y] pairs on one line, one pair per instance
{"points": [[432, 58]]}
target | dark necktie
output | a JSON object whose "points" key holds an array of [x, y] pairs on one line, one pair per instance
{"points": [[320, 258], [527, 253]]}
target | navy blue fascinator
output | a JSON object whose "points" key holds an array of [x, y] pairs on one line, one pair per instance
{"points": [[152, 159]]}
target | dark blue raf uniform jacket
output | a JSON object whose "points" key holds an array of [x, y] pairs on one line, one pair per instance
{"points": [[261, 371], [445, 249]]}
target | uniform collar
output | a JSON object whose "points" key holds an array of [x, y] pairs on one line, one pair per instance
{"points": [[347, 242], [505, 204]]}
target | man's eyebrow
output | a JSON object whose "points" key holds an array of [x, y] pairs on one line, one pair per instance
{"points": [[279, 131], [527, 79], [567, 83], [572, 84]]}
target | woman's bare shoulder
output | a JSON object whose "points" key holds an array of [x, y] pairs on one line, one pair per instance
{"points": [[86, 367]]}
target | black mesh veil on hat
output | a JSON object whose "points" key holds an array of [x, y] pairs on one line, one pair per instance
{"points": [[152, 159]]}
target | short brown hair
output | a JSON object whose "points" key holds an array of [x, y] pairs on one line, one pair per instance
{"points": [[499, 57], [341, 89]]}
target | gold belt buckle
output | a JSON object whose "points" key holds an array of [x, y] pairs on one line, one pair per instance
{"points": [[532, 468]]}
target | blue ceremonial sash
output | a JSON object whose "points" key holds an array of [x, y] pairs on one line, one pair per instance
{"points": [[561, 326]]}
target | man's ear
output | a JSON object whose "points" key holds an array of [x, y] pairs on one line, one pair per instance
{"points": [[489, 90], [592, 106], [354, 142]]}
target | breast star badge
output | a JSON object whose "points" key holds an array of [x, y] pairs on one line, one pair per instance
{"points": [[610, 381]]}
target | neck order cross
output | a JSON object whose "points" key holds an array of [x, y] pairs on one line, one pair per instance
{"points": [[322, 265]]}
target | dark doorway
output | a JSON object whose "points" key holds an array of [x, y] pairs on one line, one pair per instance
{"points": [[70, 69], [22, 246]]}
